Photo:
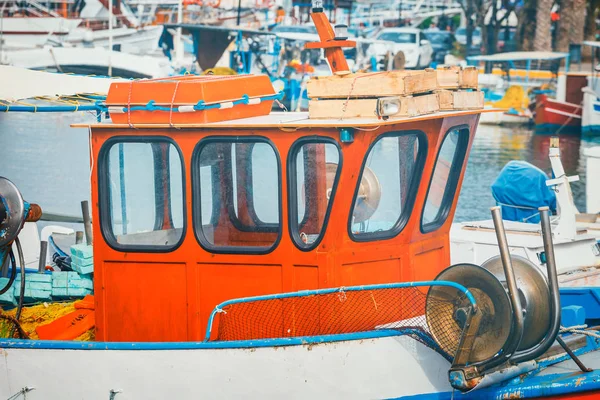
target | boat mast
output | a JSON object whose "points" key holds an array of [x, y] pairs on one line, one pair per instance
{"points": [[178, 44], [110, 36]]}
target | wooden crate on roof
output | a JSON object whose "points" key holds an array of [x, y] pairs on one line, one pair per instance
{"points": [[412, 93], [460, 100], [457, 77], [408, 106], [389, 83]]}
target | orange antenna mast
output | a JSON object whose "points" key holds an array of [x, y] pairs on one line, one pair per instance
{"points": [[331, 41]]}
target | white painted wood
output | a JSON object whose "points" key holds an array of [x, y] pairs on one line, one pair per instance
{"points": [[567, 228], [359, 369], [592, 189], [475, 242]]}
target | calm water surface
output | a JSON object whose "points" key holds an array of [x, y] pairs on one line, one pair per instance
{"points": [[49, 161]]}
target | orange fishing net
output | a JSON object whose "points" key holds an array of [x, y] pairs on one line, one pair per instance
{"points": [[34, 316]]}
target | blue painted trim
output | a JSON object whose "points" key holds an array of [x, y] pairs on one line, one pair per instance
{"points": [[234, 344], [532, 385], [306, 293], [552, 128], [541, 386]]}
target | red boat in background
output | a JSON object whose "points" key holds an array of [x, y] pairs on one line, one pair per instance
{"points": [[562, 114], [552, 115]]}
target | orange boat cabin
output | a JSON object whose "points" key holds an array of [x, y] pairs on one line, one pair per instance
{"points": [[193, 215]]}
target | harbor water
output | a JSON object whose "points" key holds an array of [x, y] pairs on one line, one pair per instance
{"points": [[49, 161]]}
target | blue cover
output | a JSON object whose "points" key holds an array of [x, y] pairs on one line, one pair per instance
{"points": [[520, 189]]}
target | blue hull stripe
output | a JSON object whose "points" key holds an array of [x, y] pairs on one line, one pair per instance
{"points": [[591, 130], [233, 344]]}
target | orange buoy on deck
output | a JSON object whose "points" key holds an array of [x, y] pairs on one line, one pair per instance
{"points": [[190, 99]]}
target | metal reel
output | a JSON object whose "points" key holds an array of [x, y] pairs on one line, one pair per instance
{"points": [[12, 212], [534, 296], [446, 318]]}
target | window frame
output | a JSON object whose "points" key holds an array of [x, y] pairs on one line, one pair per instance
{"points": [[293, 225], [458, 162], [197, 207], [104, 194], [413, 188]]}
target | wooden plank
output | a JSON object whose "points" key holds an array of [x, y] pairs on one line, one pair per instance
{"points": [[456, 77], [378, 84], [408, 106], [460, 100]]}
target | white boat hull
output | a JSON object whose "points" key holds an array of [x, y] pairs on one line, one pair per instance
{"points": [[502, 118], [590, 119], [66, 58], [385, 367]]}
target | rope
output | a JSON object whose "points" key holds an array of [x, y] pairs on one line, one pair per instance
{"points": [[17, 325], [580, 329], [129, 104], [23, 392], [345, 106], [171, 107]]}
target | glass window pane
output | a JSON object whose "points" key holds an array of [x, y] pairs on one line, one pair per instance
{"points": [[239, 183], [444, 179], [316, 170], [385, 184], [145, 188], [265, 184]]}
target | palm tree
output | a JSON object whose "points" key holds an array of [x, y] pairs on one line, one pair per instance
{"points": [[543, 39], [526, 27]]}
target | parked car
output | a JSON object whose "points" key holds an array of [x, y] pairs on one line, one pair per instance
{"points": [[461, 36], [442, 43], [411, 41]]}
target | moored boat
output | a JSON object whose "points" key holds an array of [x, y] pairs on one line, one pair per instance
{"points": [[552, 116], [243, 253]]}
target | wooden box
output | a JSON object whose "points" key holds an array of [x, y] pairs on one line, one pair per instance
{"points": [[377, 84], [456, 77], [409, 106], [460, 100]]}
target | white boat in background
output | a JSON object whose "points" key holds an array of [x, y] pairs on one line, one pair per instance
{"points": [[509, 87], [576, 235], [89, 61], [510, 117], [40, 26], [25, 28]]}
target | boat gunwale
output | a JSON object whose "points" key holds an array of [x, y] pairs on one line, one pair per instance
{"points": [[6, 344], [295, 120]]}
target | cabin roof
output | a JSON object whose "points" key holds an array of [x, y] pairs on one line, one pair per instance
{"points": [[294, 120]]}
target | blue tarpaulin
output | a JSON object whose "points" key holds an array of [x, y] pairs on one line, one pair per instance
{"points": [[520, 189]]}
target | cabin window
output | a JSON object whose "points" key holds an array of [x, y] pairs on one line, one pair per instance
{"points": [[313, 167], [387, 186], [142, 194], [236, 195], [444, 180]]}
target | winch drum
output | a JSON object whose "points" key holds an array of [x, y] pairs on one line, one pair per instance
{"points": [[488, 285], [533, 293]]}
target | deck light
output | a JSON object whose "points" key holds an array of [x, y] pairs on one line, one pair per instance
{"points": [[388, 106]]}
